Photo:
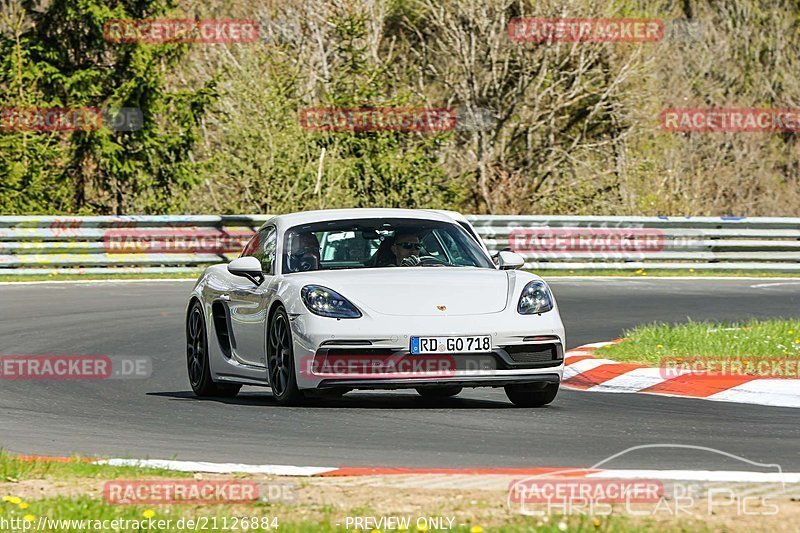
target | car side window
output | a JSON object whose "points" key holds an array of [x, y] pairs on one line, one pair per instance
{"points": [[263, 246], [250, 247], [432, 247], [453, 249], [268, 252]]}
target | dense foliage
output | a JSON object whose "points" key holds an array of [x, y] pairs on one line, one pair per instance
{"points": [[568, 128]]}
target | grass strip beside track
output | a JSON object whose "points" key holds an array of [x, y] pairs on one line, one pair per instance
{"points": [[288, 518], [756, 339], [32, 490], [15, 468], [74, 490]]}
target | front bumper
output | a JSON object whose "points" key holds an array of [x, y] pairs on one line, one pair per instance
{"points": [[391, 337], [462, 381]]}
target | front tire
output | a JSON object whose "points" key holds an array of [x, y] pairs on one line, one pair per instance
{"points": [[532, 394], [439, 392], [197, 364], [280, 360]]}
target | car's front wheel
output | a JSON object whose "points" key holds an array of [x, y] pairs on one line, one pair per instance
{"points": [[280, 360], [532, 394], [438, 392], [197, 364]]}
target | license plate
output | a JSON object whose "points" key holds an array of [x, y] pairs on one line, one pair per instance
{"points": [[465, 344]]}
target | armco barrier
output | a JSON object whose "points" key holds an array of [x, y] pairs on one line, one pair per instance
{"points": [[173, 244], [123, 244], [676, 243]]}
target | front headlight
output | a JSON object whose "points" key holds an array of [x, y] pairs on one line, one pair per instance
{"points": [[326, 302], [535, 299]]}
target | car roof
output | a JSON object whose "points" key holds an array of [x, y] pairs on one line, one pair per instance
{"points": [[309, 217], [455, 215]]}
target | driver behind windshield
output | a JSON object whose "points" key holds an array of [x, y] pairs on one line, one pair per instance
{"points": [[406, 247], [304, 252]]}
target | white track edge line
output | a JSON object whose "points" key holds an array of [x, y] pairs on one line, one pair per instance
{"points": [[738, 476], [220, 468], [733, 476]]}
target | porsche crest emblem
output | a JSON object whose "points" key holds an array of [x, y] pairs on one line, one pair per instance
{"points": [[441, 307]]}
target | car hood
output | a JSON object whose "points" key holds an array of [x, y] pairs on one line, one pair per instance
{"points": [[419, 291]]}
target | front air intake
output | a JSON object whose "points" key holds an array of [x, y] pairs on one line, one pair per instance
{"points": [[535, 355], [222, 325]]}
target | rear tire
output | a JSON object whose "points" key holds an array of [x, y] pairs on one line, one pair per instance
{"points": [[439, 392], [532, 394], [197, 358], [280, 360]]}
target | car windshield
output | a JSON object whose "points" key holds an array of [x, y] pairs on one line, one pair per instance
{"points": [[380, 243]]}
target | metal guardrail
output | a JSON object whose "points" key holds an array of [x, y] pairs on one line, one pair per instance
{"points": [[630, 243], [121, 244], [173, 244]]}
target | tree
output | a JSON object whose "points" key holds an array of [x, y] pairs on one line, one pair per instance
{"points": [[66, 61], [329, 54]]}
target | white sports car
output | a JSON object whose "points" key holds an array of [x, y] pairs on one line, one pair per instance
{"points": [[323, 302]]}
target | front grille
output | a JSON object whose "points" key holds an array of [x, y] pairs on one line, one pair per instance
{"points": [[529, 354]]}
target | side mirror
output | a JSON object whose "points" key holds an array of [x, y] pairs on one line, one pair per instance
{"points": [[495, 256], [247, 267], [510, 260]]}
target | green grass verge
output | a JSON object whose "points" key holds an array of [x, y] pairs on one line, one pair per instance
{"points": [[14, 469], [289, 515], [756, 339], [261, 515]]}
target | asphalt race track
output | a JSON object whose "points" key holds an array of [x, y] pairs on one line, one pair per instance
{"points": [[160, 418]]}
